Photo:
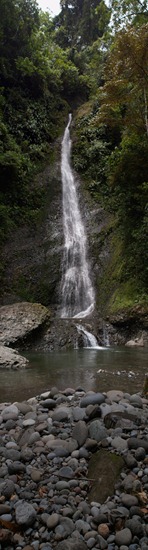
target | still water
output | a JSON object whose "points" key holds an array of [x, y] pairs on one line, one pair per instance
{"points": [[92, 369]]}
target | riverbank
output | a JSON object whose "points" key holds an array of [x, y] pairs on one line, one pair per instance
{"points": [[74, 471]]}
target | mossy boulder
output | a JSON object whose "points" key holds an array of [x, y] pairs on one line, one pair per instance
{"points": [[104, 470]]}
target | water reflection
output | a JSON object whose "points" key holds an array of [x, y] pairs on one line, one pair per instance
{"points": [[92, 369]]}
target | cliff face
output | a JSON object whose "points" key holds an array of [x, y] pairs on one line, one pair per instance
{"points": [[32, 256]]}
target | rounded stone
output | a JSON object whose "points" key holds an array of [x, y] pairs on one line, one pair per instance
{"points": [[7, 488], [130, 461], [115, 395], [136, 401], [10, 410], [129, 500], [80, 432], [103, 530], [123, 537], [28, 422], [52, 521], [60, 485], [140, 453], [91, 542], [25, 513], [97, 431], [135, 526], [92, 399], [60, 414], [36, 475]]}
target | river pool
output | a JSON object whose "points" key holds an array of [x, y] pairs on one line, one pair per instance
{"points": [[92, 369]]}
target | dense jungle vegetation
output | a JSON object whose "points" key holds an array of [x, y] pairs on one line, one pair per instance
{"points": [[91, 59]]}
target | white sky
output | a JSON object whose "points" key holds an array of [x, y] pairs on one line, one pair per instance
{"points": [[52, 5]]}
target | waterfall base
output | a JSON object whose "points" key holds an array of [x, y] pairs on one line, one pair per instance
{"points": [[90, 341]]}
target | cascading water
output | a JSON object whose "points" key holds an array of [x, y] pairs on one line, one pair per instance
{"points": [[76, 287], [90, 341]]}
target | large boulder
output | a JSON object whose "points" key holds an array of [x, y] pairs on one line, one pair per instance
{"points": [[10, 359], [18, 321]]}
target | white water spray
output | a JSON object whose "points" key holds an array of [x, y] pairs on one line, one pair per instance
{"points": [[90, 340], [76, 287]]}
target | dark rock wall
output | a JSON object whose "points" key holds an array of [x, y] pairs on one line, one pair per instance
{"points": [[32, 256]]}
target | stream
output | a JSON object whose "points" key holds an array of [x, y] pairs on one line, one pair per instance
{"points": [[92, 369]]}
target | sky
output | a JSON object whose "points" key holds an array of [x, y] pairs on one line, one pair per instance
{"points": [[52, 5]]}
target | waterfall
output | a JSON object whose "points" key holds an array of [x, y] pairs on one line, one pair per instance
{"points": [[105, 336], [76, 287], [90, 340]]}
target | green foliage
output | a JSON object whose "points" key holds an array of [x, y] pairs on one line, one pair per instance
{"points": [[37, 78], [126, 296], [91, 152], [129, 11], [111, 151], [81, 22], [47, 68]]}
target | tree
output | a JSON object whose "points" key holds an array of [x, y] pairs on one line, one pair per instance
{"points": [[82, 22], [129, 11], [125, 92]]}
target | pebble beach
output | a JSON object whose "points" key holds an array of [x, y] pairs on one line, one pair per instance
{"points": [[57, 491]]}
